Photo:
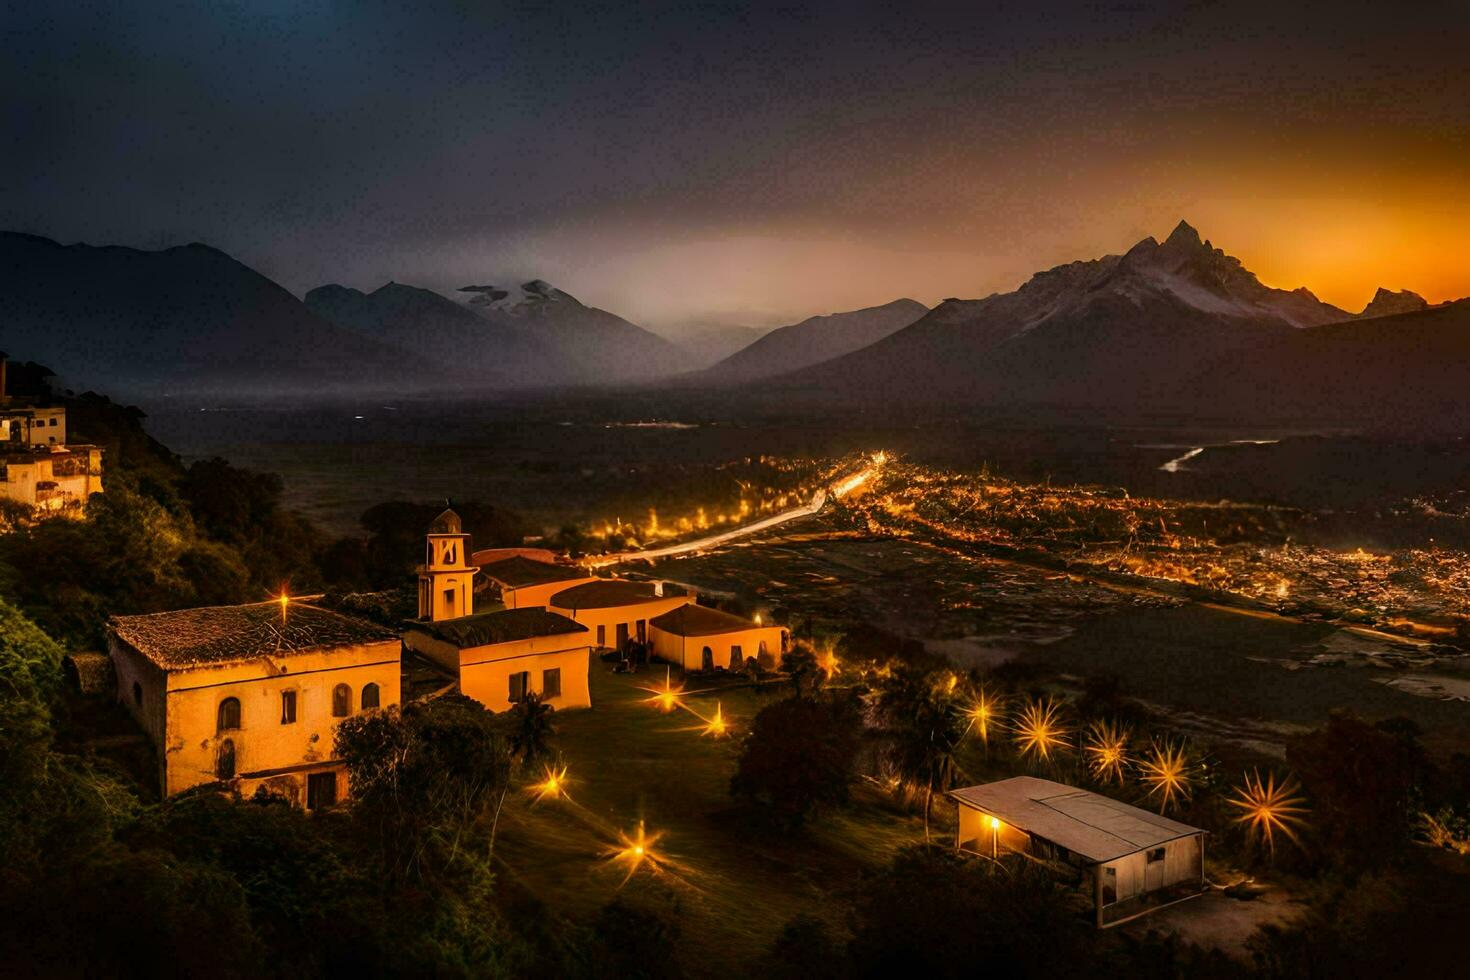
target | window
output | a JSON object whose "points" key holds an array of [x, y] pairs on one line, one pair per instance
{"points": [[601, 636], [321, 790], [224, 763], [341, 701], [737, 661], [138, 694], [53, 423], [288, 707], [449, 555], [518, 684], [706, 659], [1156, 855], [449, 601], [551, 683], [1110, 886], [229, 714], [369, 696]]}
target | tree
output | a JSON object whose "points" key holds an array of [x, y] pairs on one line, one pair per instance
{"points": [[1361, 779], [935, 913], [925, 728], [530, 736], [636, 938], [801, 665], [805, 949], [428, 778], [798, 756]]}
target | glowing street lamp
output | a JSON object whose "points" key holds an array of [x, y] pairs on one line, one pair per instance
{"points": [[552, 786], [994, 839], [716, 727], [636, 849]]}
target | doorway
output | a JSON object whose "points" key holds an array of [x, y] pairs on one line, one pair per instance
{"points": [[321, 790]]}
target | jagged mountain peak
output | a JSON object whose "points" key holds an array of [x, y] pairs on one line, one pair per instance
{"points": [[529, 296], [1387, 302], [1184, 234]]}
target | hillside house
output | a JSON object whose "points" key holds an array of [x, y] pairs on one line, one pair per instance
{"points": [[250, 696]]}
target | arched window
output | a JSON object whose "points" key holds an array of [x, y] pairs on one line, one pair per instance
{"points": [[224, 765], [138, 694], [737, 661], [341, 701], [369, 696], [707, 659], [762, 651], [229, 715]]}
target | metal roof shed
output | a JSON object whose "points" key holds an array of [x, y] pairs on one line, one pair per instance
{"points": [[1135, 859]]}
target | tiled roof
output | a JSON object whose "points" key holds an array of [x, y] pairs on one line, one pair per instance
{"points": [[502, 626], [604, 594], [516, 572], [223, 634], [693, 620]]}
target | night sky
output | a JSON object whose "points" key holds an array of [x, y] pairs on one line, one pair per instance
{"points": [[685, 161]]}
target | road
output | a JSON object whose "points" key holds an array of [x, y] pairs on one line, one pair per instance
{"points": [[839, 489]]}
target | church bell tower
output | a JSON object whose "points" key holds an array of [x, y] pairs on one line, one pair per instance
{"points": [[446, 580]]}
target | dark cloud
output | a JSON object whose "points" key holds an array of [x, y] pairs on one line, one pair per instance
{"points": [[681, 157]]}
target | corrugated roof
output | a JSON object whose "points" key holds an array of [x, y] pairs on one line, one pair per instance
{"points": [[221, 634], [513, 573], [694, 620], [604, 594], [501, 626], [1096, 827]]}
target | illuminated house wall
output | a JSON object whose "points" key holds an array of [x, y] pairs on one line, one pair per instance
{"points": [[486, 670], [176, 690]]}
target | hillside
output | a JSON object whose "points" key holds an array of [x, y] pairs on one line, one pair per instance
{"points": [[1405, 370], [183, 320], [814, 340], [1115, 332]]}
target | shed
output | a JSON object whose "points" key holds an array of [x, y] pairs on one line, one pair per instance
{"points": [[1133, 860]]}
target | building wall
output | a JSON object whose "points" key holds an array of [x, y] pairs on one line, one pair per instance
{"points": [[609, 618], [484, 672], [189, 742], [77, 476], [1136, 877], [688, 652], [537, 595], [974, 832]]}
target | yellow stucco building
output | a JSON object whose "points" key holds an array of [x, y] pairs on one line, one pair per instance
{"points": [[57, 480], [250, 696], [615, 610], [700, 638], [524, 582], [503, 655], [500, 655]]}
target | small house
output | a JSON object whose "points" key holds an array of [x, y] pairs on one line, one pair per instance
{"points": [[1131, 860], [700, 638], [503, 655]]}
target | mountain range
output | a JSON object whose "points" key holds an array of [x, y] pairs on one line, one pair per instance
{"points": [[1123, 334], [1173, 328], [814, 340]]}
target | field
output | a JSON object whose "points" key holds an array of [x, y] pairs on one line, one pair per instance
{"points": [[735, 883]]}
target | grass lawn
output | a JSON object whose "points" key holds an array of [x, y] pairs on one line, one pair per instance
{"points": [[736, 883]]}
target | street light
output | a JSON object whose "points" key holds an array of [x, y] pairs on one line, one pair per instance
{"points": [[994, 839]]}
